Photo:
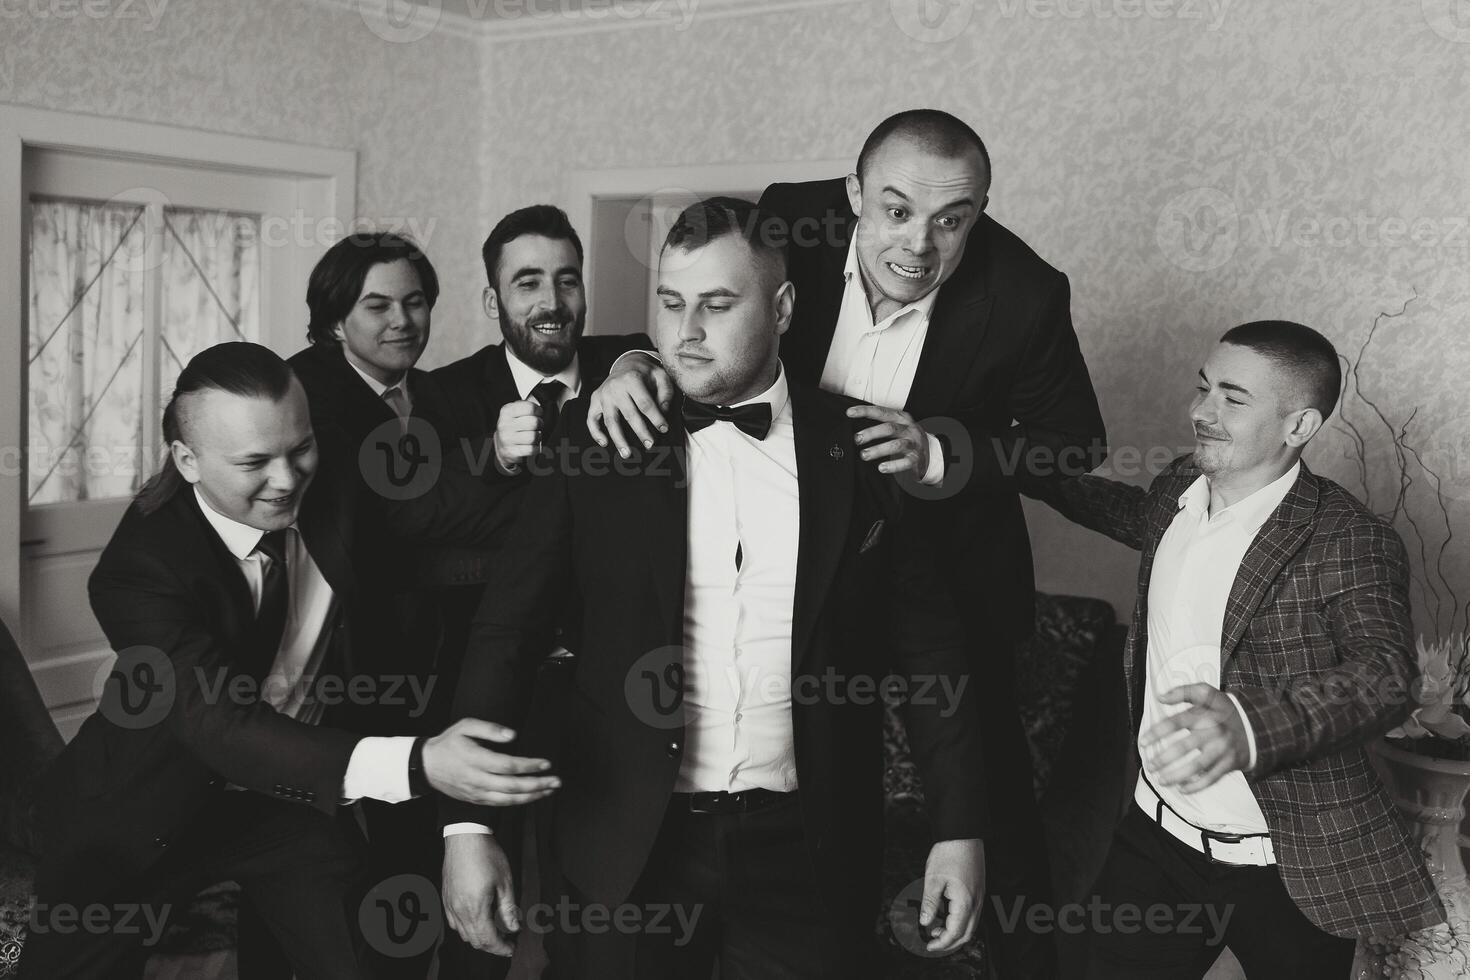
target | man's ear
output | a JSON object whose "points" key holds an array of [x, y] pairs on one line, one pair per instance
{"points": [[1305, 424], [339, 332], [489, 300], [785, 303], [184, 459], [855, 194]]}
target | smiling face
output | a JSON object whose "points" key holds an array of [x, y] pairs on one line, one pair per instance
{"points": [[388, 327], [539, 301], [251, 458], [1250, 420], [915, 210], [720, 319]]}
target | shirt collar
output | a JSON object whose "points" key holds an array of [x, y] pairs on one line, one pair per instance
{"points": [[373, 383], [778, 396], [1250, 513], [240, 539], [854, 270], [527, 377]]}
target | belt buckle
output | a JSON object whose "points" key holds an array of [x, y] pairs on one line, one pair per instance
{"points": [[719, 801], [1205, 838]]}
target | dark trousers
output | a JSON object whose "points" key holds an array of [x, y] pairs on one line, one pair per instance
{"points": [[732, 890], [1017, 868], [300, 869], [1167, 911]]}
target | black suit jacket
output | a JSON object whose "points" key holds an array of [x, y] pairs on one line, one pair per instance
{"points": [[867, 602], [166, 587], [1001, 359], [475, 388], [342, 400]]}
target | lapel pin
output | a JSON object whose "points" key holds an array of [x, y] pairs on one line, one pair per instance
{"points": [[835, 452]]}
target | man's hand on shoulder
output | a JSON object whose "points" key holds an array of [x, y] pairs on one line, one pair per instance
{"points": [[457, 764], [636, 394]]}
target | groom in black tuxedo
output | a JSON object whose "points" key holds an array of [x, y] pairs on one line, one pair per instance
{"points": [[746, 584], [960, 338]]}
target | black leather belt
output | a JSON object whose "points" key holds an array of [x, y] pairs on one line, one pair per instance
{"points": [[745, 801]]}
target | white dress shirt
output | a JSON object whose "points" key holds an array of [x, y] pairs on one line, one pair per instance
{"points": [[876, 362], [743, 497], [381, 389], [378, 767], [526, 377], [1189, 588]]}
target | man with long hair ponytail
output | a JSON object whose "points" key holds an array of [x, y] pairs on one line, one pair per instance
{"points": [[244, 713]]}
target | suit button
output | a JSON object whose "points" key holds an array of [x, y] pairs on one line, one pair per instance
{"points": [[673, 749], [159, 842]]}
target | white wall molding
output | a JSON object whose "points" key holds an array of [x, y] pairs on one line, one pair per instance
{"points": [[501, 21]]}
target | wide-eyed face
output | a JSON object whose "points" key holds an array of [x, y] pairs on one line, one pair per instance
{"points": [[1247, 416], [915, 210], [539, 300], [251, 458], [388, 328], [722, 310]]}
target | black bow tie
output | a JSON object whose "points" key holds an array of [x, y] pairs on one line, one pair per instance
{"points": [[754, 419]]}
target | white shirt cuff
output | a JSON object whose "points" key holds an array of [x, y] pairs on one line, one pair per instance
{"points": [[452, 829], [631, 353], [378, 770], [934, 475], [1250, 736]]}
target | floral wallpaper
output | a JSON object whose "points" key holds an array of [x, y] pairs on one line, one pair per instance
{"points": [[1190, 164]]}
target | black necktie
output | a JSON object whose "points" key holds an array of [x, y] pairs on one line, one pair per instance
{"points": [[548, 395], [270, 621], [753, 419]]}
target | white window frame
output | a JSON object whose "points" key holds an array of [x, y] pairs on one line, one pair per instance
{"points": [[326, 181]]}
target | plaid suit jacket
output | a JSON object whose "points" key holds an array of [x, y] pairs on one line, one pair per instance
{"points": [[1317, 646]]}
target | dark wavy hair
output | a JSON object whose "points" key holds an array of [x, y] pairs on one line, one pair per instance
{"points": [[237, 367], [546, 220], [336, 281]]}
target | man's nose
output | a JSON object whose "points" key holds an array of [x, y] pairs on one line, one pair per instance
{"points": [[690, 327], [918, 239], [281, 475]]}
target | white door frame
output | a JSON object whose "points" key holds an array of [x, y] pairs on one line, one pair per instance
{"points": [[327, 179], [583, 188]]}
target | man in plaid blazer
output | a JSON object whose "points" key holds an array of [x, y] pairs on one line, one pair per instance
{"points": [[1271, 640]]}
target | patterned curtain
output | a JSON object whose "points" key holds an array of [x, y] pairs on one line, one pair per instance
{"points": [[85, 339], [88, 272]]}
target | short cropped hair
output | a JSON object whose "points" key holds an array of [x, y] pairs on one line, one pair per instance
{"points": [[715, 217], [933, 129], [546, 220], [336, 282], [1307, 356]]}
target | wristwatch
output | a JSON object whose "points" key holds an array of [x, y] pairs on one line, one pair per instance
{"points": [[418, 782]]}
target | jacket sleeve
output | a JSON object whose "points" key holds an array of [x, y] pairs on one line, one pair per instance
{"points": [[1364, 582], [167, 648]]}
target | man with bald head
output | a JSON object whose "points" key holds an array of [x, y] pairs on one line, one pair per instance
{"points": [[911, 298], [1270, 643]]}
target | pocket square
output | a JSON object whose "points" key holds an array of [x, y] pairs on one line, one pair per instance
{"points": [[874, 534]]}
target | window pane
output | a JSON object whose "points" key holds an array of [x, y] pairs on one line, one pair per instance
{"points": [[211, 284], [85, 350]]}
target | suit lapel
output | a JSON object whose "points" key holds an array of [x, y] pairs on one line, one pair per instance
{"points": [[825, 462], [819, 293], [1280, 538], [957, 327]]}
